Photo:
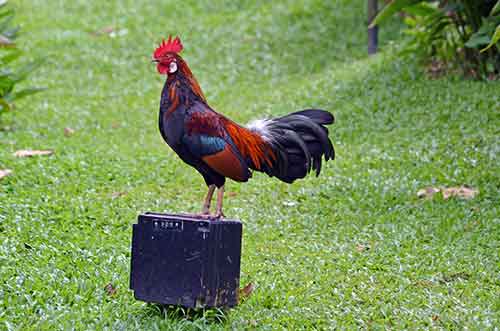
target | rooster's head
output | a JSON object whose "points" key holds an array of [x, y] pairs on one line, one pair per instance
{"points": [[167, 56]]}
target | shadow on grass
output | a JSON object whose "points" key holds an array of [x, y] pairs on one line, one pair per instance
{"points": [[182, 314]]}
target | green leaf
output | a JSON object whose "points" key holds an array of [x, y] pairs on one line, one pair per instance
{"points": [[390, 9], [485, 33], [488, 25], [22, 73], [6, 85], [4, 105], [7, 12], [11, 33], [7, 17], [24, 93], [496, 9], [423, 9], [494, 39], [438, 25], [478, 40], [11, 54]]}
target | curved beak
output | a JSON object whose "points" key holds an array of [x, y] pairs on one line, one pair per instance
{"points": [[153, 60]]}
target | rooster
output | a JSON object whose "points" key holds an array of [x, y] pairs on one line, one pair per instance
{"points": [[287, 147]]}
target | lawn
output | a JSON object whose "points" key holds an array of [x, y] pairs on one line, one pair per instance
{"points": [[353, 249]]}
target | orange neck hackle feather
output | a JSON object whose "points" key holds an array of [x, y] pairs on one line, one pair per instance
{"points": [[186, 72]]}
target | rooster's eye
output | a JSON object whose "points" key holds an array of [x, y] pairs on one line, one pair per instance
{"points": [[172, 67]]}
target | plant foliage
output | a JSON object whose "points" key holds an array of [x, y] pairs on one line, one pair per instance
{"points": [[462, 33], [10, 75]]}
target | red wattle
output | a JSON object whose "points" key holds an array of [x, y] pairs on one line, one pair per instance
{"points": [[162, 68]]}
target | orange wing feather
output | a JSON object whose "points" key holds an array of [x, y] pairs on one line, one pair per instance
{"points": [[227, 164], [250, 145]]}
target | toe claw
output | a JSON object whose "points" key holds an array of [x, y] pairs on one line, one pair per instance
{"points": [[219, 214]]}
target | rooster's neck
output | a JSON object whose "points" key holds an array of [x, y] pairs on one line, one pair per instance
{"points": [[183, 82], [180, 88]]}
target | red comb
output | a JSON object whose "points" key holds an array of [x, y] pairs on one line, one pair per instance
{"points": [[170, 46]]}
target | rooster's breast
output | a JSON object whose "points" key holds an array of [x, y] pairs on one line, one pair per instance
{"points": [[172, 127]]}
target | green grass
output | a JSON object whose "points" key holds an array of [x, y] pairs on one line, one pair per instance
{"points": [[63, 237]]}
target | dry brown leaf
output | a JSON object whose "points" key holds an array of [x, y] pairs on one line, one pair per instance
{"points": [[231, 194], [5, 173], [246, 291], [105, 30], [110, 289], [454, 277], [115, 125], [492, 76], [437, 69], [435, 318], [115, 195], [424, 283], [471, 225], [27, 152], [5, 42], [427, 192], [362, 248], [461, 192], [448, 192], [252, 323], [68, 132], [111, 31]]}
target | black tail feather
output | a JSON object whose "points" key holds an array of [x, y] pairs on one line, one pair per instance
{"points": [[317, 115], [300, 141]]}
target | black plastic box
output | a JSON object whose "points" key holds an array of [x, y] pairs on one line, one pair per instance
{"points": [[182, 260]]}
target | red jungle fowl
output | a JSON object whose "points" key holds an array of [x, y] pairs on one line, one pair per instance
{"points": [[286, 147]]}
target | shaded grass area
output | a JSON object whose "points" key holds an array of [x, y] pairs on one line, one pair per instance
{"points": [[353, 248]]}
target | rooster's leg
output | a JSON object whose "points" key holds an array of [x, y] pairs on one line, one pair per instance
{"points": [[220, 197], [208, 200]]}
